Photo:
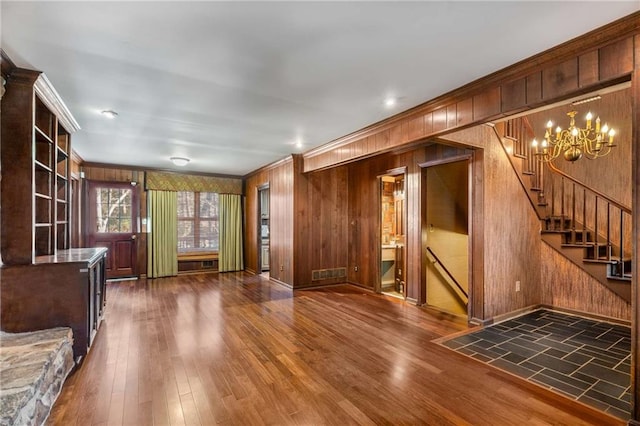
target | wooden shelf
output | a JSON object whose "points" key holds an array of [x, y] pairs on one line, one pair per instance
{"points": [[40, 133], [38, 195], [42, 166], [62, 155]]}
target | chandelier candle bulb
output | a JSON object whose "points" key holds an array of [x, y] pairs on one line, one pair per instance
{"points": [[575, 141]]}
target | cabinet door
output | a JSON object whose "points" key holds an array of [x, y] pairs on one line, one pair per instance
{"points": [[91, 303]]}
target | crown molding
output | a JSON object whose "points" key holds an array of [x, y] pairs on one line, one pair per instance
{"points": [[50, 97]]}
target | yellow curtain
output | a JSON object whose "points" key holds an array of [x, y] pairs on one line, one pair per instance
{"points": [[230, 214], [162, 240]]}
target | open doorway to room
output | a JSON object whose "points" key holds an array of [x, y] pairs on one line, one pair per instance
{"points": [[392, 234], [263, 227], [446, 223]]}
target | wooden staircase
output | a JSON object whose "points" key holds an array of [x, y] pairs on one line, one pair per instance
{"points": [[590, 229]]}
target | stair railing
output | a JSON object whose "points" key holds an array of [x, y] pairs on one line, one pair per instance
{"points": [[436, 260], [588, 210], [573, 204]]}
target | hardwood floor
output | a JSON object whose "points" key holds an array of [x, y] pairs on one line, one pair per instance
{"points": [[238, 349]]}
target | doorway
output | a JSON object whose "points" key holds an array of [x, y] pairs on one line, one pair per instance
{"points": [[263, 227], [446, 220], [113, 213], [392, 234]]}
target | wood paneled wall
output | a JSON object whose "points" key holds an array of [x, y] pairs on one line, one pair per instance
{"points": [[511, 230], [321, 228], [610, 175], [280, 177], [597, 59], [115, 174], [364, 218], [565, 285]]}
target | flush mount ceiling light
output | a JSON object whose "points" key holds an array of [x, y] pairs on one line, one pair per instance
{"points": [[179, 161], [390, 102], [109, 113]]}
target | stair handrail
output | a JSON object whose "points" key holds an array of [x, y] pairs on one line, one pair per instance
{"points": [[437, 260], [519, 150], [605, 197]]}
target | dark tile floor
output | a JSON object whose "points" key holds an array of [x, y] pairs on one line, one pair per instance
{"points": [[583, 359]]}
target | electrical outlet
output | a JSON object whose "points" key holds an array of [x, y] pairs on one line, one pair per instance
{"points": [[355, 269], [517, 285]]}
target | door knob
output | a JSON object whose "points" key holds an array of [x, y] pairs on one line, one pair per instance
{"points": [[133, 237]]}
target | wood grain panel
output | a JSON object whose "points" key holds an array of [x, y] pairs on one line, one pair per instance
{"points": [[534, 88], [281, 183], [465, 112], [550, 76], [616, 59], [452, 116], [565, 285], [611, 174], [428, 123], [635, 294], [511, 230], [439, 120], [416, 128], [321, 224], [588, 72], [514, 94], [486, 104], [560, 79]]}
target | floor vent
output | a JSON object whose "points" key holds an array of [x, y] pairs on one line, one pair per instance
{"points": [[328, 274]]}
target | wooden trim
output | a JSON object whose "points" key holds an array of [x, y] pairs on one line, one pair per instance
{"points": [[635, 200], [394, 172], [154, 169], [536, 81], [269, 166], [289, 286], [6, 64], [194, 257], [54, 102], [447, 160]]}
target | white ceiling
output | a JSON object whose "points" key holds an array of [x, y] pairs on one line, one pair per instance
{"points": [[234, 85]]}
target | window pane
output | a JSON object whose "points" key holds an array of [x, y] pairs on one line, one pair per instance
{"points": [[186, 236], [125, 224], [209, 234], [186, 204], [113, 210], [208, 204]]}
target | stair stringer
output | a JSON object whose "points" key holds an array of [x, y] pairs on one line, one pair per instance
{"points": [[597, 270]]}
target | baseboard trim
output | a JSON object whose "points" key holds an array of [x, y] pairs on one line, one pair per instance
{"points": [[282, 283], [588, 315]]}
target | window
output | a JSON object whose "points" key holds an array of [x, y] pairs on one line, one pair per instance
{"points": [[197, 222], [113, 210]]}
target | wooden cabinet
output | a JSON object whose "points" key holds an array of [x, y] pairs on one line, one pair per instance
{"points": [[45, 283], [65, 289], [36, 128]]}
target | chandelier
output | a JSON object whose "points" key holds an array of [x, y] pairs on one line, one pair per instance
{"points": [[575, 142]]}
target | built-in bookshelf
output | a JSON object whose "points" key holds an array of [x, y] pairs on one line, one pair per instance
{"points": [[35, 164]]}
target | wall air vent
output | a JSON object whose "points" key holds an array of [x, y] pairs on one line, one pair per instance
{"points": [[328, 274]]}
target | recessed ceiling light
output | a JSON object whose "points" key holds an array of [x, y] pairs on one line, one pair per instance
{"points": [[179, 161], [299, 143], [109, 113], [390, 102]]}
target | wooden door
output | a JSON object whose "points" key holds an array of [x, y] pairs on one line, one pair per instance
{"points": [[112, 223]]}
